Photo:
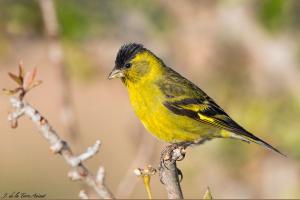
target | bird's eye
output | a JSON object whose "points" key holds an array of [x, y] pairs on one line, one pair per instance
{"points": [[127, 65]]}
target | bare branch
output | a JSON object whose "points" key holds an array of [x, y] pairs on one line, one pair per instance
{"points": [[83, 195], [57, 145], [169, 173], [90, 152], [100, 181], [100, 175]]}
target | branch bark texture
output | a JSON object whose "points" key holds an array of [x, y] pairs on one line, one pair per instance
{"points": [[169, 173]]}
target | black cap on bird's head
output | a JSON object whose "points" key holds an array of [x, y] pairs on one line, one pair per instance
{"points": [[125, 54]]}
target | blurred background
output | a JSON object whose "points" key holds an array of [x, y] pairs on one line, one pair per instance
{"points": [[244, 54]]}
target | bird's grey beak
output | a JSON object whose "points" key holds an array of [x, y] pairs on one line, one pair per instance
{"points": [[116, 73]]}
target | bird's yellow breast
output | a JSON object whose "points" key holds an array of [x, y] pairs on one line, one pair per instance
{"points": [[147, 101]]}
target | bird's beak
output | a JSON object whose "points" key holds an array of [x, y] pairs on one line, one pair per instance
{"points": [[116, 73]]}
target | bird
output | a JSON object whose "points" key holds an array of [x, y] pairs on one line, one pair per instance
{"points": [[170, 106]]}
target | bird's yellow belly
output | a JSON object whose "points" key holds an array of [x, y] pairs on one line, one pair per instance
{"points": [[164, 124]]}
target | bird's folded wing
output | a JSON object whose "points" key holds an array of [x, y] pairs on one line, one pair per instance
{"points": [[205, 111]]}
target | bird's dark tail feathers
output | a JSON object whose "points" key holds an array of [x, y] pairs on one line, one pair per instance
{"points": [[249, 137]]}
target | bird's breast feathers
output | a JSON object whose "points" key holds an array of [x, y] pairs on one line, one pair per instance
{"points": [[150, 105]]}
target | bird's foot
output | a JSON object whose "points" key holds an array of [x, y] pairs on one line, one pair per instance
{"points": [[172, 153]]}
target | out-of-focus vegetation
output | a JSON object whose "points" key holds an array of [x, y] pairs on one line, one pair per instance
{"points": [[243, 54], [79, 20], [274, 14]]}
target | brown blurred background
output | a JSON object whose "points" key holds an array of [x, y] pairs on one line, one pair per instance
{"points": [[243, 54]]}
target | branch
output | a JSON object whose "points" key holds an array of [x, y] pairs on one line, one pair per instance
{"points": [[57, 145], [168, 171]]}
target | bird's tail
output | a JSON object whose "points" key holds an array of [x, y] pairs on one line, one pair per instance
{"points": [[249, 137]]}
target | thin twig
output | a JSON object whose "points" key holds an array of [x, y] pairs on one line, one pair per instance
{"points": [[57, 145], [145, 174], [83, 195]]}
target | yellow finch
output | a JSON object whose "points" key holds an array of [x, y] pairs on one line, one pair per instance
{"points": [[171, 107]]}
